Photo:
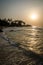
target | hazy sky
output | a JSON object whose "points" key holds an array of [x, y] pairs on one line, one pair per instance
{"points": [[23, 10]]}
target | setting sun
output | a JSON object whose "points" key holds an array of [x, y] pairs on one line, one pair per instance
{"points": [[33, 16]]}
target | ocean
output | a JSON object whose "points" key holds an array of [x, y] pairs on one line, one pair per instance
{"points": [[25, 46], [28, 37]]}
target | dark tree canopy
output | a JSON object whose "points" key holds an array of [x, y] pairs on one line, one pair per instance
{"points": [[9, 22]]}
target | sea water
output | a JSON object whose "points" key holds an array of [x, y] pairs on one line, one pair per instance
{"points": [[29, 38], [21, 46]]}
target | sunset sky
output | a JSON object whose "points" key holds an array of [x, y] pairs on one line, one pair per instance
{"points": [[30, 11]]}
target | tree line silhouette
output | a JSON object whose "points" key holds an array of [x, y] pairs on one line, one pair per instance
{"points": [[9, 22]]}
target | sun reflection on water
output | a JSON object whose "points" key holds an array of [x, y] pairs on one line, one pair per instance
{"points": [[29, 38]]}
